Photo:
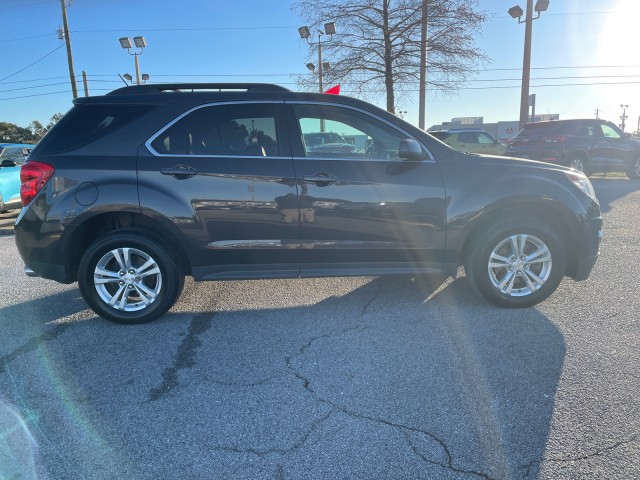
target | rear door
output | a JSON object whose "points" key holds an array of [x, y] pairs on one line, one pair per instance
{"points": [[363, 209], [223, 173]]}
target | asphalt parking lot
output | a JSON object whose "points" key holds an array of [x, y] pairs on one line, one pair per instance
{"points": [[375, 378]]}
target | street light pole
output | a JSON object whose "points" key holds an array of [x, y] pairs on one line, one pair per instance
{"points": [[423, 67], [517, 12], [305, 34], [526, 66], [140, 43], [320, 32]]}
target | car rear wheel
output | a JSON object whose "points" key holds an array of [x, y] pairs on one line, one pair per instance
{"points": [[129, 278], [518, 264], [634, 169]]}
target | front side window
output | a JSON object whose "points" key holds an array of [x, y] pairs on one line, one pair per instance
{"points": [[609, 132], [337, 132], [244, 130]]}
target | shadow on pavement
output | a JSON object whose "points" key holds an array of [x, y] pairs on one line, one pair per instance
{"points": [[392, 378]]}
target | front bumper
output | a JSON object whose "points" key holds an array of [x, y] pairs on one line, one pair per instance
{"points": [[591, 235]]}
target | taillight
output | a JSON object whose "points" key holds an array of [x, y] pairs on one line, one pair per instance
{"points": [[33, 176]]}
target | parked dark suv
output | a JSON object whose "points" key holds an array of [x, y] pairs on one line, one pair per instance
{"points": [[133, 190], [586, 145]]}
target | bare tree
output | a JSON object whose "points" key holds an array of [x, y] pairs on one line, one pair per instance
{"points": [[377, 47]]}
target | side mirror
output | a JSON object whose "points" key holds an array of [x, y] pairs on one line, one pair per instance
{"points": [[410, 149]]}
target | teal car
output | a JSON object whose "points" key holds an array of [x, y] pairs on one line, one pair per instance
{"points": [[12, 156]]}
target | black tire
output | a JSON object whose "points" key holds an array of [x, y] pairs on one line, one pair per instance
{"points": [[152, 281], [634, 169], [579, 162], [488, 279]]}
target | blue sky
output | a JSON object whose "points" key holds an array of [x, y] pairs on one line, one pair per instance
{"points": [[575, 42]]}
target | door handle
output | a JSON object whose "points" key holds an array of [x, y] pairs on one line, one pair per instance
{"points": [[179, 171], [322, 179]]}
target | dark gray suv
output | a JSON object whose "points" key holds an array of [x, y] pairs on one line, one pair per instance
{"points": [[133, 190], [589, 145]]}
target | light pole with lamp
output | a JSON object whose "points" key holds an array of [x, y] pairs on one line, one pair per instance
{"points": [[140, 43], [305, 34], [517, 12]]}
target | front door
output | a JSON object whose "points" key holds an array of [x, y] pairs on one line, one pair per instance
{"points": [[225, 178], [362, 208]]}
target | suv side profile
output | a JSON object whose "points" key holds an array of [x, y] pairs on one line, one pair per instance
{"points": [[591, 145], [134, 190]]}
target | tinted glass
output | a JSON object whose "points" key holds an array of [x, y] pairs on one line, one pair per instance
{"points": [[229, 130], [14, 153], [348, 133], [86, 123], [440, 135], [609, 132]]}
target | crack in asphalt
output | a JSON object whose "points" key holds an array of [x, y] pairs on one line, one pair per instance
{"points": [[270, 451], [32, 345], [335, 408], [527, 467], [185, 356]]}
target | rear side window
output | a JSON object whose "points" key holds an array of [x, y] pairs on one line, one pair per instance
{"points": [[86, 123], [238, 130]]}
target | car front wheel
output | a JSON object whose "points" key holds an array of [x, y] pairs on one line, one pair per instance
{"points": [[634, 169], [129, 278], [516, 265]]}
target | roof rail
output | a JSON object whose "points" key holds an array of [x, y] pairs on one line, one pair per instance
{"points": [[193, 87]]}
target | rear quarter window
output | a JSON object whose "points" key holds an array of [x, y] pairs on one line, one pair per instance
{"points": [[87, 123]]}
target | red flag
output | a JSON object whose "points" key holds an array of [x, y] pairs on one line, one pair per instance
{"points": [[334, 90]]}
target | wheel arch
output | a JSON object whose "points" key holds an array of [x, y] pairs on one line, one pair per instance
{"points": [[90, 229], [560, 219]]}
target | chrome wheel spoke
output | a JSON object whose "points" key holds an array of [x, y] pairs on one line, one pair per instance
{"points": [[146, 295], [541, 252], [105, 276], [507, 282], [498, 261]]}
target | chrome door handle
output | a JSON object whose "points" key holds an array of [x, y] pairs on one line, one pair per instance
{"points": [[179, 171], [321, 180]]}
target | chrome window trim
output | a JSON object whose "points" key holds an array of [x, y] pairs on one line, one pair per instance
{"points": [[365, 112], [151, 139]]}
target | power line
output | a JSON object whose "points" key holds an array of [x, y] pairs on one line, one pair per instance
{"points": [[32, 64]]}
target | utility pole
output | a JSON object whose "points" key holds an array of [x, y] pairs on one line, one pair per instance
{"points": [[597, 113], [624, 116], [423, 67], [67, 38]]}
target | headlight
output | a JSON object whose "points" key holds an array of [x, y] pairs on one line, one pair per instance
{"points": [[581, 181]]}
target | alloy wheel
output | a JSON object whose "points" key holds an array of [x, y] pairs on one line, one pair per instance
{"points": [[127, 279], [519, 265]]}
